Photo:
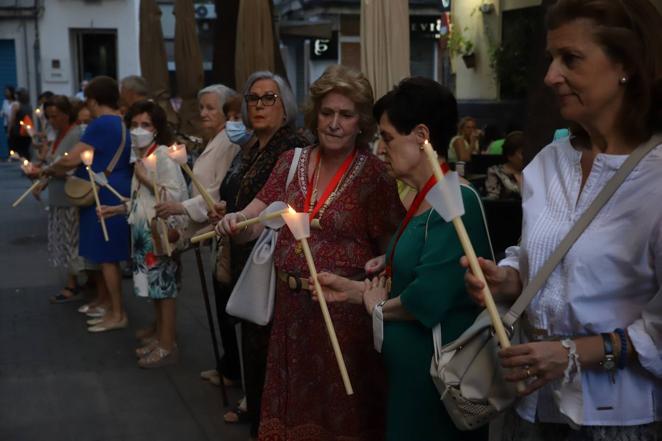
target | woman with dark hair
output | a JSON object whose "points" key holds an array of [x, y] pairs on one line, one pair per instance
{"points": [[111, 144], [504, 181], [156, 275], [21, 111], [592, 358], [344, 187], [427, 285], [63, 228]]}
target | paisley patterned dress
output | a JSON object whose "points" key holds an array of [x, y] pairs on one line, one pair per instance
{"points": [[304, 397]]}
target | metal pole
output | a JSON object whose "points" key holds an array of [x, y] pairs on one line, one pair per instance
{"points": [[210, 320]]}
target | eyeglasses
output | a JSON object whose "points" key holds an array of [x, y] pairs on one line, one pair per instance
{"points": [[267, 100]]}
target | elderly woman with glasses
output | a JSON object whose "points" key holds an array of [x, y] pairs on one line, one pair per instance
{"points": [[348, 193], [268, 111]]}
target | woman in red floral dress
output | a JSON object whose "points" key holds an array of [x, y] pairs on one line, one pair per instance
{"points": [[355, 203]]}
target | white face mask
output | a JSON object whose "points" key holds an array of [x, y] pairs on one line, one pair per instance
{"points": [[141, 138]]}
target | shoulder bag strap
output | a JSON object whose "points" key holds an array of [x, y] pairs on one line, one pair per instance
{"points": [[293, 166], [118, 153], [610, 188]]}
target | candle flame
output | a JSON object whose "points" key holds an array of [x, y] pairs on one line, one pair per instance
{"points": [[11, 152], [66, 153], [25, 162], [38, 111], [21, 123], [291, 210]]}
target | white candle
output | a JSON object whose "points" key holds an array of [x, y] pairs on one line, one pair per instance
{"points": [[150, 162], [177, 152], [87, 156], [298, 223]]}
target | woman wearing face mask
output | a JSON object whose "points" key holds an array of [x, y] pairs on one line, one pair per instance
{"points": [[108, 137], [155, 274]]}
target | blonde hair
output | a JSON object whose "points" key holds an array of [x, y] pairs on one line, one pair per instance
{"points": [[463, 122], [350, 83]]}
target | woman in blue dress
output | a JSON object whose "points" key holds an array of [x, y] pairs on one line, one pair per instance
{"points": [[105, 135]]}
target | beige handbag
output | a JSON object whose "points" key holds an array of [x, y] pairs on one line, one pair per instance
{"points": [[467, 372], [79, 190]]}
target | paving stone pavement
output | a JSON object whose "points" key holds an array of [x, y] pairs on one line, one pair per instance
{"points": [[60, 383]]}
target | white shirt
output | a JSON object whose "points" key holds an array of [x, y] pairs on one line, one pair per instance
{"points": [[609, 279], [210, 169]]}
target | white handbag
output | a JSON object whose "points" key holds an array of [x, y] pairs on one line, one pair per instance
{"points": [[253, 296], [467, 372]]}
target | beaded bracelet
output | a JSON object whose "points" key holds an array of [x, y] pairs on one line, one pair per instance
{"points": [[623, 354]]}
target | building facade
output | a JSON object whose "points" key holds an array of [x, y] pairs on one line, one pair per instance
{"points": [[59, 43]]}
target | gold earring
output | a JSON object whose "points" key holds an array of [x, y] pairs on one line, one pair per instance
{"points": [[623, 79]]}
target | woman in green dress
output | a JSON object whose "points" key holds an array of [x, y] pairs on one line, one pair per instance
{"points": [[421, 266]]}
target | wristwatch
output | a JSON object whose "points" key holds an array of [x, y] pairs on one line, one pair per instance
{"points": [[609, 362]]}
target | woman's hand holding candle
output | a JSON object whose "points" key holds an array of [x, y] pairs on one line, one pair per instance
{"points": [[177, 152], [87, 156], [214, 216]]}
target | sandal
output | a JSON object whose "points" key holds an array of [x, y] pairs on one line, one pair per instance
{"points": [[63, 298], [145, 350], [159, 357]]}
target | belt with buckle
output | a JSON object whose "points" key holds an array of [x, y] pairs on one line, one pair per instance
{"points": [[295, 283]]}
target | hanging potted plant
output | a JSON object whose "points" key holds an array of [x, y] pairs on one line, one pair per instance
{"points": [[459, 45]]}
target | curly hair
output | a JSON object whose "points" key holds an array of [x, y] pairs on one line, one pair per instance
{"points": [[350, 83]]}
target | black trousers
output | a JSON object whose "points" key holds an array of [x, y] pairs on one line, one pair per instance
{"points": [[229, 367], [254, 347]]}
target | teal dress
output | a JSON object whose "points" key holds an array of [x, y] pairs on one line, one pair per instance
{"points": [[429, 280]]}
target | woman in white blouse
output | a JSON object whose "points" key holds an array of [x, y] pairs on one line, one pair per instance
{"points": [[213, 163], [606, 294]]}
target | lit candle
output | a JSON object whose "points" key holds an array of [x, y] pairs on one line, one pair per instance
{"points": [[471, 255], [87, 156], [177, 152], [299, 225], [25, 163], [150, 163]]}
